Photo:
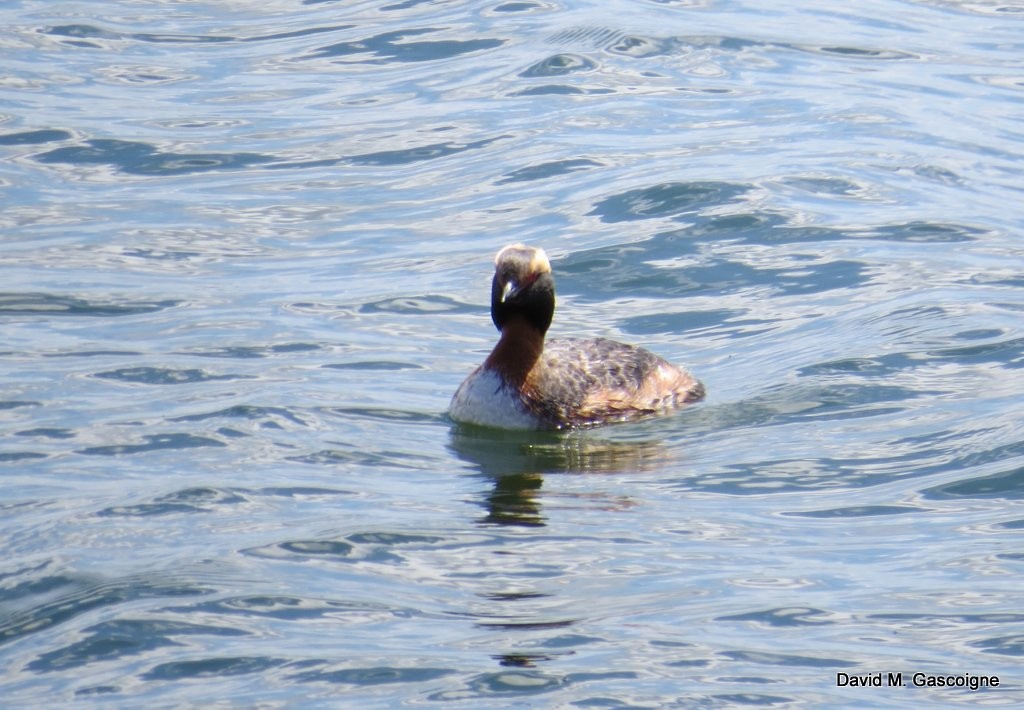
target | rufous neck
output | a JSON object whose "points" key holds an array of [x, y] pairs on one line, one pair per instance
{"points": [[517, 351]]}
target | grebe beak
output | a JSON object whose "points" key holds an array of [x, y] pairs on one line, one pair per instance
{"points": [[509, 291]]}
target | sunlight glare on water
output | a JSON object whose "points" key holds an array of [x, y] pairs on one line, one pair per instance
{"points": [[246, 256]]}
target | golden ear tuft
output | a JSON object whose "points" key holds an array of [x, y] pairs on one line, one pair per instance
{"points": [[539, 263], [535, 258]]}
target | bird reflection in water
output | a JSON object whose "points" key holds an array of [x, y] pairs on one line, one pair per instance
{"points": [[516, 463]]}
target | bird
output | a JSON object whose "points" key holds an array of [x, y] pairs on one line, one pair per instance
{"points": [[528, 382]]}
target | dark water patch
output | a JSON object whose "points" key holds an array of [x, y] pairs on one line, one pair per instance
{"points": [[667, 200], [531, 625], [22, 505], [381, 547], [392, 538], [397, 46], [825, 186], [18, 456], [786, 659], [741, 44], [547, 170], [784, 617], [154, 442], [96, 690], [558, 65], [137, 158], [417, 305], [123, 638], [341, 457], [48, 433], [212, 668], [49, 304], [632, 273], [754, 228], [844, 401], [1008, 354], [558, 90], [989, 280], [285, 608], [594, 37], [164, 376], [794, 475], [639, 47], [506, 683], [34, 137], [517, 7], [875, 366], [924, 232], [266, 415], [17, 403], [570, 640], [736, 699], [633, 269], [573, 678], [303, 32], [80, 35], [65, 596], [143, 76], [95, 353], [252, 352], [985, 618], [333, 550], [374, 365], [1003, 645], [429, 304], [644, 46], [370, 676], [979, 334], [405, 5], [858, 511], [1007, 485], [726, 42], [230, 433], [514, 596], [850, 400], [305, 492], [188, 500], [388, 415], [766, 228], [857, 52], [684, 321], [406, 156]]}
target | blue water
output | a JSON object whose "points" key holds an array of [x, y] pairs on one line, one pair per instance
{"points": [[245, 252]]}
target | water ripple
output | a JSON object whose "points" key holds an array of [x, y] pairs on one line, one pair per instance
{"points": [[394, 46], [66, 596], [246, 266], [154, 442], [28, 304], [163, 376], [122, 638]]}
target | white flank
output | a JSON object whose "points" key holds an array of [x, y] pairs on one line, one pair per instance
{"points": [[483, 399]]}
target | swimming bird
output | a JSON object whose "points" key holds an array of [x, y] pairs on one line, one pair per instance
{"points": [[529, 383]]}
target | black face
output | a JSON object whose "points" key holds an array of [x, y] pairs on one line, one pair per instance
{"points": [[516, 291]]}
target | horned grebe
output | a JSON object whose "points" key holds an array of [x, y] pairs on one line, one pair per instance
{"points": [[526, 383]]}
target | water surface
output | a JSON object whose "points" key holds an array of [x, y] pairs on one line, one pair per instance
{"points": [[245, 262]]}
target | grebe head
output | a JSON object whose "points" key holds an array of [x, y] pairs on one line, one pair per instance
{"points": [[522, 287]]}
